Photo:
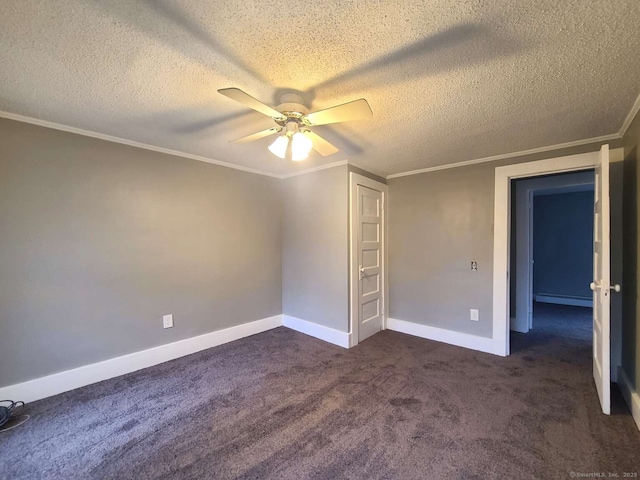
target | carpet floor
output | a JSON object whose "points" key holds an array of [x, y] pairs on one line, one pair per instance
{"points": [[284, 405]]}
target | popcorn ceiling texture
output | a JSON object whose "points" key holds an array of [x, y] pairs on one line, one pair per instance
{"points": [[448, 80]]}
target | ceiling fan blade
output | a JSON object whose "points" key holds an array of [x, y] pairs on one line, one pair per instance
{"points": [[320, 145], [356, 110], [256, 136], [246, 99]]}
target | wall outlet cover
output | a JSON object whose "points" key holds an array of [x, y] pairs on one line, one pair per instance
{"points": [[474, 315], [167, 321]]}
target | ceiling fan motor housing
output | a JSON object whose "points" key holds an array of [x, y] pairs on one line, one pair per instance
{"points": [[292, 107]]}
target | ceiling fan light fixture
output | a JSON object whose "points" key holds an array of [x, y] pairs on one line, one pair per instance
{"points": [[300, 147], [292, 117], [279, 146]]}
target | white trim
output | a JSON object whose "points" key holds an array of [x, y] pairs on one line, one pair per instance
{"points": [[315, 169], [577, 143], [331, 335], [630, 395], [168, 151], [561, 300], [356, 179], [473, 342], [632, 114], [502, 211], [177, 153], [96, 372], [130, 143]]}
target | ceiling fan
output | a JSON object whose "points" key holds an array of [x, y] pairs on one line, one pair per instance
{"points": [[293, 121]]}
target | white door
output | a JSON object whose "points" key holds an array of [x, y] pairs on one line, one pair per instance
{"points": [[369, 251], [601, 284], [523, 320], [530, 260]]}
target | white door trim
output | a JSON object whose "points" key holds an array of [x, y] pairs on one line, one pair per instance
{"points": [[502, 220], [356, 179]]}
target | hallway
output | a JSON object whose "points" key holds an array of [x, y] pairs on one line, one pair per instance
{"points": [[563, 333]]}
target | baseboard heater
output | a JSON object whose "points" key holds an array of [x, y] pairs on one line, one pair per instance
{"points": [[563, 300]]}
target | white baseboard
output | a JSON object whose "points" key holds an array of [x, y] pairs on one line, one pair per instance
{"points": [[96, 372], [571, 301], [473, 342], [630, 395], [331, 335]]}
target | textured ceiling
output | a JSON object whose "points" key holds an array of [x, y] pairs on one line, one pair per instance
{"points": [[447, 80]]}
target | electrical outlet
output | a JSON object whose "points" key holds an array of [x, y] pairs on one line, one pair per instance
{"points": [[474, 265], [474, 315], [167, 321]]}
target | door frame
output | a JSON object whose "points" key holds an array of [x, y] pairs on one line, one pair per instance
{"points": [[356, 179], [502, 229]]}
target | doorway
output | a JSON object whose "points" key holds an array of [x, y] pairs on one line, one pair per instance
{"points": [[551, 244], [551, 264], [368, 284], [600, 285]]}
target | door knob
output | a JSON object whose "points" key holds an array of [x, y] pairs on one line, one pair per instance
{"points": [[615, 287], [361, 269]]}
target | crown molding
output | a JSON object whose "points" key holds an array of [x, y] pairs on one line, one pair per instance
{"points": [[632, 114], [315, 169], [123, 141], [168, 151], [605, 138], [577, 143], [131, 143]]}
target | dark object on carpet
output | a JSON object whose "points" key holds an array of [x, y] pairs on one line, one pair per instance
{"points": [[284, 405], [8, 414], [13, 422]]}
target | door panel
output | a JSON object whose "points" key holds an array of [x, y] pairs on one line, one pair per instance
{"points": [[370, 232], [369, 251], [601, 284], [370, 283], [370, 258], [370, 310]]}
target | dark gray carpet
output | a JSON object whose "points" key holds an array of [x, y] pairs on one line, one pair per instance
{"points": [[284, 405]]}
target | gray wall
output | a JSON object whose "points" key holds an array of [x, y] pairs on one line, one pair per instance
{"points": [[441, 221], [563, 244], [438, 223], [99, 240], [631, 248], [315, 248]]}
